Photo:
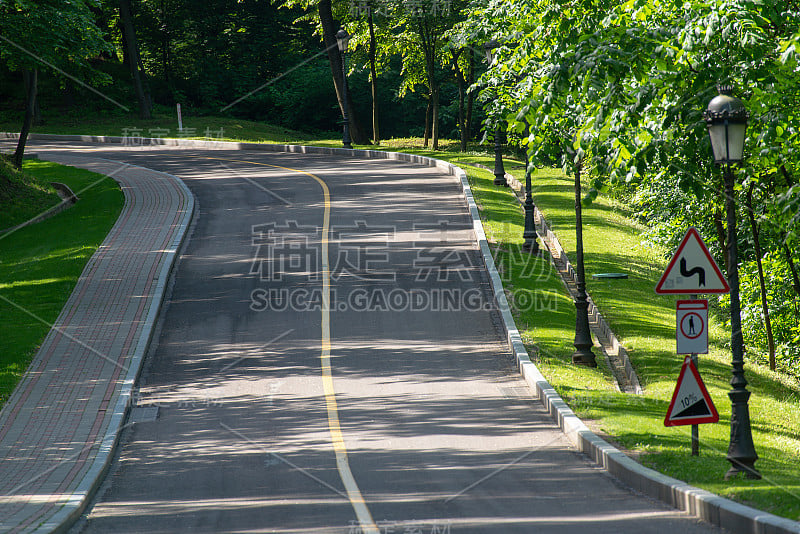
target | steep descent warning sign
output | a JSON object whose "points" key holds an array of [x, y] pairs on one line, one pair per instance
{"points": [[692, 269], [691, 404]]}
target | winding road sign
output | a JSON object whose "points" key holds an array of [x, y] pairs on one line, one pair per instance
{"points": [[691, 404], [692, 269]]}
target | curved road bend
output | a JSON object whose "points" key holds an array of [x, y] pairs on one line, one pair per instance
{"points": [[430, 430]]}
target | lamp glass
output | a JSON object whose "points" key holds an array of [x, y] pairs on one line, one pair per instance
{"points": [[342, 40], [727, 140], [489, 48]]}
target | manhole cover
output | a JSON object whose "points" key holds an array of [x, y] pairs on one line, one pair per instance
{"points": [[143, 414], [600, 276]]}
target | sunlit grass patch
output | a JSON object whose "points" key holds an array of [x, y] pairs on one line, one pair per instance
{"points": [[40, 264]]}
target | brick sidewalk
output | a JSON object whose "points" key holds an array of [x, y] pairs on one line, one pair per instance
{"points": [[58, 429]]}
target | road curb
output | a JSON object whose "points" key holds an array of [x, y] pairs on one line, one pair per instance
{"points": [[41, 516], [63, 520], [700, 503], [695, 501]]}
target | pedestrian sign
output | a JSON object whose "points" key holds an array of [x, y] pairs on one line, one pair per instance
{"points": [[691, 404], [692, 269], [691, 326]]}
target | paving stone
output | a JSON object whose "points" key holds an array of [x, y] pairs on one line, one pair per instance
{"points": [[57, 428]]}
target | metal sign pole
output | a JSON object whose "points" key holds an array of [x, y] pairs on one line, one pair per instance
{"points": [[695, 428]]}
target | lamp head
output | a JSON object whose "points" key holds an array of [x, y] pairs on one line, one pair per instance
{"points": [[489, 47], [726, 119], [342, 39]]}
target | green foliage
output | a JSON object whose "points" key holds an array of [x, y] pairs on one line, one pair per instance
{"points": [[247, 58], [620, 88], [300, 100], [210, 57], [51, 34], [784, 308]]}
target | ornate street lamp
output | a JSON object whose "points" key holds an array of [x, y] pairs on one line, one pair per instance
{"points": [[499, 171], [583, 354], [342, 40], [726, 118], [529, 233]]}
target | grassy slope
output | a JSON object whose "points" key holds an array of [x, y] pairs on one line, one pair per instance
{"points": [[645, 324], [41, 264], [643, 321], [22, 196]]}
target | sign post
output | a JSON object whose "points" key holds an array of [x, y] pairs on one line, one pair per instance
{"points": [[691, 335], [692, 270]]}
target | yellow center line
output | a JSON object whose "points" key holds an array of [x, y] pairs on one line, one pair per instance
{"points": [[342, 464]]}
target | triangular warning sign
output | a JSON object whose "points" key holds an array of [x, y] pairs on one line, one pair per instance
{"points": [[691, 404], [692, 269]]}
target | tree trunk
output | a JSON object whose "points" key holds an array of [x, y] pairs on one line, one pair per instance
{"points": [[792, 267], [373, 77], [131, 51], [165, 45], [428, 43], [37, 112], [31, 82], [329, 30], [461, 99], [435, 121], [470, 96], [787, 176], [145, 84], [764, 306], [124, 45], [428, 121]]}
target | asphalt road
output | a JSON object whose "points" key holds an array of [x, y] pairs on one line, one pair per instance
{"points": [[329, 361]]}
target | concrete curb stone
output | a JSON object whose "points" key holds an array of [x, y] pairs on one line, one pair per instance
{"points": [[59, 429]]}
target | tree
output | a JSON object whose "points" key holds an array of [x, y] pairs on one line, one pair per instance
{"points": [[463, 63], [329, 29], [50, 35], [754, 227], [623, 87], [420, 36], [322, 12], [131, 51], [373, 75]]}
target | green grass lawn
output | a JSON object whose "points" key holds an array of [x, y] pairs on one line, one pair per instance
{"points": [[22, 196], [545, 315], [645, 324], [164, 124], [40, 264]]}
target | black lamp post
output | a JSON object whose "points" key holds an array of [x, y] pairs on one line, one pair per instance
{"points": [[499, 170], [726, 118], [342, 40], [529, 232], [583, 354]]}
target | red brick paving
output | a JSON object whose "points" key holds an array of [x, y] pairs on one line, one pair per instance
{"points": [[58, 428]]}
